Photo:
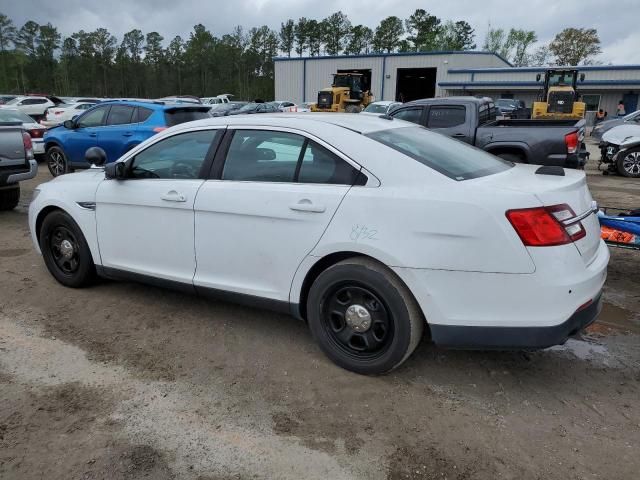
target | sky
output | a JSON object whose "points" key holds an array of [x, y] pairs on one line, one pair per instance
{"points": [[615, 20]]}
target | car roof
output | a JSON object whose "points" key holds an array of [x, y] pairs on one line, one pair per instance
{"points": [[311, 122], [384, 102], [154, 104], [467, 99]]}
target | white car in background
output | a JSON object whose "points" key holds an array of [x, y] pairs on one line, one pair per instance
{"points": [[219, 99], [32, 105], [287, 107], [372, 230], [58, 115], [34, 129], [380, 108]]}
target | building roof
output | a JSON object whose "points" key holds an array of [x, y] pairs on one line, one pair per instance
{"points": [[395, 54]]}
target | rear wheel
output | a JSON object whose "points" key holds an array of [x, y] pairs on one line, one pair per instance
{"points": [[511, 157], [65, 251], [353, 109], [57, 161], [629, 164], [9, 197], [363, 317]]}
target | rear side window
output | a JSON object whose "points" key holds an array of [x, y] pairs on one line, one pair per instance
{"points": [[319, 165], [120, 115], [486, 113], [178, 116], [412, 115], [450, 157], [143, 114], [263, 156], [444, 116]]}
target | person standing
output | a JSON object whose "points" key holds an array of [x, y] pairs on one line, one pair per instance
{"points": [[621, 111]]}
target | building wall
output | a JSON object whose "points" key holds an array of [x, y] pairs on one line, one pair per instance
{"points": [[300, 79]]}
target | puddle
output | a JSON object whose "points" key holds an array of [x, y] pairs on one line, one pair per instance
{"points": [[582, 350], [616, 318]]}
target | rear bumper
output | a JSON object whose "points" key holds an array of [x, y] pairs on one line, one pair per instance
{"points": [[457, 336], [18, 174]]}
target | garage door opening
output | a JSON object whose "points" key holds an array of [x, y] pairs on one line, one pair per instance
{"points": [[415, 83], [366, 77]]}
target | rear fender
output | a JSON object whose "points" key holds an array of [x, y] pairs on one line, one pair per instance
{"points": [[521, 148]]}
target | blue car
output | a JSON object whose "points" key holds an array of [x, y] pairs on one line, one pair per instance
{"points": [[116, 127]]}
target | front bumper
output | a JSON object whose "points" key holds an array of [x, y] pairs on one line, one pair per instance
{"points": [[456, 336], [18, 174]]}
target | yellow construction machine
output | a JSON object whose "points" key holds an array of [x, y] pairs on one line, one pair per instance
{"points": [[346, 94], [559, 99]]}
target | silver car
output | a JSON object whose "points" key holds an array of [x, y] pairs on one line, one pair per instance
{"points": [[606, 125]]}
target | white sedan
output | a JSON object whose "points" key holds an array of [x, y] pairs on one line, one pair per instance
{"points": [[374, 231], [58, 115]]}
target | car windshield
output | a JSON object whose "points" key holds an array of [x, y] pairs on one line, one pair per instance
{"points": [[248, 108], [506, 102], [14, 116], [632, 115], [376, 108], [452, 158]]}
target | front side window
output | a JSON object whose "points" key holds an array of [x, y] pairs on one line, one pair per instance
{"points": [[452, 158], [120, 115], [177, 157], [412, 115], [93, 118], [445, 116]]}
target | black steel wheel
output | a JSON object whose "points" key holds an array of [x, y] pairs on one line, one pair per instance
{"points": [[356, 320], [363, 317], [65, 250]]}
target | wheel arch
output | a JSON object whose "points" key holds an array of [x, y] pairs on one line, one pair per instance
{"points": [[518, 150], [80, 222], [331, 259]]}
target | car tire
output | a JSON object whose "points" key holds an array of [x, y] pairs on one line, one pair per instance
{"points": [[628, 164], [363, 317], [57, 161], [70, 263], [511, 157], [353, 109], [9, 197]]}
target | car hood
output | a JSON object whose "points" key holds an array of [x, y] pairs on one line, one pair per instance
{"points": [[621, 134]]}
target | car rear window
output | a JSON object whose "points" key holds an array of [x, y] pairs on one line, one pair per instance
{"points": [[452, 158], [182, 115]]}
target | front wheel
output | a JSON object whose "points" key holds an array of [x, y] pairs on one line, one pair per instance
{"points": [[363, 317], [629, 164], [65, 251], [57, 161]]}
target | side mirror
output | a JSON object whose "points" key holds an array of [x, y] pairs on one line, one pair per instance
{"points": [[95, 156], [70, 124], [582, 77], [538, 77], [115, 170]]}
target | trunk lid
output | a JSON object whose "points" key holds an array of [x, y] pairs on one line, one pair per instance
{"points": [[570, 189]]}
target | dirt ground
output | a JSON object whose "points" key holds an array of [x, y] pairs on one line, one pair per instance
{"points": [[124, 381]]}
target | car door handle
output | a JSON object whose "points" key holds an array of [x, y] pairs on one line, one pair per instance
{"points": [[458, 135], [173, 196], [93, 134], [127, 134], [307, 206]]}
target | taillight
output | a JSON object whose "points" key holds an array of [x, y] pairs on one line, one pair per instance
{"points": [[36, 132], [159, 129], [546, 226], [571, 140], [28, 145]]}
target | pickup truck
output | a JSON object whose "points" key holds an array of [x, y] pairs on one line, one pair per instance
{"points": [[17, 162], [473, 120]]}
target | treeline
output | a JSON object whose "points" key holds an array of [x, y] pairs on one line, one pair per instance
{"points": [[37, 58]]}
